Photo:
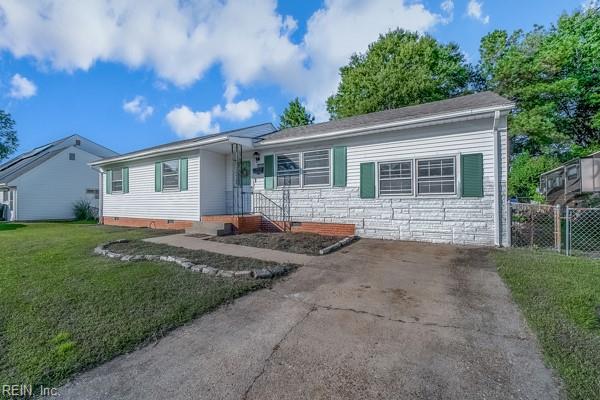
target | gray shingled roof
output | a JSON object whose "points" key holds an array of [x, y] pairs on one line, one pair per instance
{"points": [[462, 103]]}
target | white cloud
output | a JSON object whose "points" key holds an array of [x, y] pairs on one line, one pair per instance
{"points": [[180, 40], [474, 10], [240, 111], [138, 107], [21, 87], [448, 7], [188, 124]]}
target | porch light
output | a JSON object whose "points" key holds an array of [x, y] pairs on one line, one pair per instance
{"points": [[256, 156]]}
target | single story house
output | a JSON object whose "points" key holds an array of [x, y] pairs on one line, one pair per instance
{"points": [[43, 184], [571, 182], [433, 172]]}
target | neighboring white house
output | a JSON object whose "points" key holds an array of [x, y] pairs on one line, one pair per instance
{"points": [[433, 172], [43, 184]]}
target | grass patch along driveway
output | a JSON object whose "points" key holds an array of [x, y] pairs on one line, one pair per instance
{"points": [[63, 309], [560, 297], [302, 243]]}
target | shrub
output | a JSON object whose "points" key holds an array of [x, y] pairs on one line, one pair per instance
{"points": [[84, 211]]}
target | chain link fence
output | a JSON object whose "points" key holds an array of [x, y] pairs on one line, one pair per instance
{"points": [[583, 232], [572, 231], [535, 225]]}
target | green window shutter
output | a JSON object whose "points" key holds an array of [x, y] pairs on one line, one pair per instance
{"points": [[158, 176], [269, 172], [183, 174], [125, 172], [471, 167], [245, 172], [339, 166], [367, 180], [108, 182]]}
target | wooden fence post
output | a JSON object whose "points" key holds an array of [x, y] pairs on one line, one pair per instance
{"points": [[557, 228]]}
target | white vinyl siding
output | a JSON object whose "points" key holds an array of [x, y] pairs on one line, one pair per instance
{"points": [[215, 172], [143, 202]]}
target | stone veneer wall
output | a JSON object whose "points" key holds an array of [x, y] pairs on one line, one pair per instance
{"points": [[438, 220]]}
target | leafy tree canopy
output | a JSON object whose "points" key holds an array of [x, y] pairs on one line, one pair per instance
{"points": [[8, 135], [525, 171], [401, 68], [295, 114], [553, 75]]}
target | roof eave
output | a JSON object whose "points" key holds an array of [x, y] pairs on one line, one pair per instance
{"points": [[157, 152], [387, 126]]}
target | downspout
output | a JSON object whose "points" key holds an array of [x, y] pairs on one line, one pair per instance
{"points": [[497, 188], [100, 195]]}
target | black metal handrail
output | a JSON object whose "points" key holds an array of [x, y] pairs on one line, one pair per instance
{"points": [[270, 210]]}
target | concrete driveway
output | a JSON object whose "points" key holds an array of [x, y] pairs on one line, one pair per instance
{"points": [[379, 319]]}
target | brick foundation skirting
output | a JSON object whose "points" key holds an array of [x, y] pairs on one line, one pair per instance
{"points": [[241, 223], [324, 228], [147, 223]]}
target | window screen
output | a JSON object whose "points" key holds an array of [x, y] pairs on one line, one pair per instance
{"points": [[436, 176], [316, 167], [395, 178], [117, 180], [288, 169], [170, 174]]}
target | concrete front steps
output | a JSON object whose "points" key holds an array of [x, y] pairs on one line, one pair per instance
{"points": [[210, 228]]}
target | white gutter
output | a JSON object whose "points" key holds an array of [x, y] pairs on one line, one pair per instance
{"points": [[154, 152], [389, 125], [497, 188]]}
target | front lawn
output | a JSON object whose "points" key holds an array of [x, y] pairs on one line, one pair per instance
{"points": [[64, 309], [303, 243], [560, 297]]}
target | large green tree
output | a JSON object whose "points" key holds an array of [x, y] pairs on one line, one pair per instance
{"points": [[553, 74], [401, 68], [8, 135], [295, 114]]}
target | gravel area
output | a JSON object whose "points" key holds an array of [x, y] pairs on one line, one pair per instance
{"points": [[215, 260], [302, 243]]}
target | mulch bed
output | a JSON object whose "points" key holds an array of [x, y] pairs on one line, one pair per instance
{"points": [[302, 243], [215, 260]]}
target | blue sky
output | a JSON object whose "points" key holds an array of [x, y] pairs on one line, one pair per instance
{"points": [[129, 77]]}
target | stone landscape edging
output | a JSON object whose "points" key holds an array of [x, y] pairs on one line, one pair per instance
{"points": [[262, 273], [344, 242]]}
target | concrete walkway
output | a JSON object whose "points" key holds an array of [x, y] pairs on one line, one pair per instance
{"points": [[193, 243], [378, 320]]}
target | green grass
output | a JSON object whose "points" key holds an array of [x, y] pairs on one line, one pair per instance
{"points": [[215, 260], [560, 297], [63, 309]]}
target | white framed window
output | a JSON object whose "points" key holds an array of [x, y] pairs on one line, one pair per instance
{"points": [[170, 175], [117, 181], [396, 178], [316, 168], [436, 176], [288, 169]]}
